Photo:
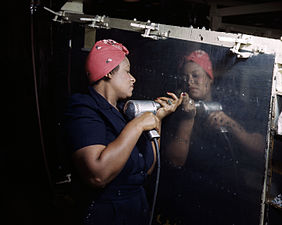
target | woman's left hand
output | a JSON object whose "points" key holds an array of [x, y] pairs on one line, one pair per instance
{"points": [[220, 120], [169, 104]]}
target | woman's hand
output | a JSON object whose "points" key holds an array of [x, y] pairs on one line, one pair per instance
{"points": [[253, 142], [146, 121], [169, 104], [219, 120], [188, 106]]}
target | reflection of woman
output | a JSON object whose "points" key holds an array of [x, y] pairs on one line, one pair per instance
{"points": [[198, 74], [204, 159], [111, 157]]}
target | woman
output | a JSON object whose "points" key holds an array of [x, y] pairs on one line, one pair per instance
{"points": [[206, 161], [112, 157]]}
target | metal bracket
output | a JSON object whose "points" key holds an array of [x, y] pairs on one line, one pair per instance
{"points": [[57, 15], [148, 27], [68, 17], [66, 180], [97, 22], [242, 42], [238, 45]]}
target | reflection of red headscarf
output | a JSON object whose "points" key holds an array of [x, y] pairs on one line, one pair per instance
{"points": [[202, 59], [103, 58]]}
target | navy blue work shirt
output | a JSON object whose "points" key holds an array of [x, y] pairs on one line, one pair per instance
{"points": [[91, 120]]}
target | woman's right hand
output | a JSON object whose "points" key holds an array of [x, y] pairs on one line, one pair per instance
{"points": [[147, 121], [188, 106]]}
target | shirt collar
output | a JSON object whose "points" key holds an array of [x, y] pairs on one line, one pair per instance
{"points": [[100, 100], [104, 104]]}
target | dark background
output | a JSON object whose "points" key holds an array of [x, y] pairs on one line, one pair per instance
{"points": [[33, 160]]}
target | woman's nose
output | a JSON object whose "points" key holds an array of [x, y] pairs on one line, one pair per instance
{"points": [[132, 78], [190, 81]]}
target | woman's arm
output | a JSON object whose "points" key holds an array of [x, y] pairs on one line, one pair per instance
{"points": [[177, 149], [253, 142], [99, 164], [169, 105]]}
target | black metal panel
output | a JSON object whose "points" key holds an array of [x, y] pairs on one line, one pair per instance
{"points": [[221, 181]]}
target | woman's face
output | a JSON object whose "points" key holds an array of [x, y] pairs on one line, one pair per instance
{"points": [[122, 81], [199, 83]]}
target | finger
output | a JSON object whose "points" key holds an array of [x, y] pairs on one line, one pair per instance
{"points": [[212, 119], [185, 99], [212, 114], [217, 121], [172, 95], [191, 101], [164, 101], [180, 99], [164, 98]]}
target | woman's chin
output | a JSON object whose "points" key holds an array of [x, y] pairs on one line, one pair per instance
{"points": [[194, 96]]}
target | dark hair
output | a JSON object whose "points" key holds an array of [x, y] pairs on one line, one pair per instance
{"points": [[114, 70]]}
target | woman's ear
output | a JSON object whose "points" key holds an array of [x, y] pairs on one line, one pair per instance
{"points": [[212, 81]]}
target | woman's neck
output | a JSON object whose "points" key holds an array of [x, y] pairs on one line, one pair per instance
{"points": [[107, 93]]}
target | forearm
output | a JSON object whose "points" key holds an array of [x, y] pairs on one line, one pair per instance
{"points": [[177, 150], [113, 158], [253, 142]]}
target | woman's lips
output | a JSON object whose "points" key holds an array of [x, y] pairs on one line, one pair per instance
{"points": [[192, 88]]}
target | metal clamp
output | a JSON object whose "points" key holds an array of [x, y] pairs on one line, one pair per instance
{"points": [[57, 15], [148, 27], [97, 22], [68, 17], [67, 180], [240, 43]]}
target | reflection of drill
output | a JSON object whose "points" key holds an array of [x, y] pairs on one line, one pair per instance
{"points": [[205, 108], [134, 108]]}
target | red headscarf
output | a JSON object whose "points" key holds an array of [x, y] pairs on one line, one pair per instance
{"points": [[202, 59], [103, 58]]}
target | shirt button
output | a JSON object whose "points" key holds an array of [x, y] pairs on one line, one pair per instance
{"points": [[119, 193], [142, 172], [140, 155]]}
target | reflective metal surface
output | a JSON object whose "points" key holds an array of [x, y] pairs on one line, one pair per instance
{"points": [[214, 177]]}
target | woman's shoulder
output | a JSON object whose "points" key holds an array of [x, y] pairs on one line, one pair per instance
{"points": [[81, 99], [79, 104]]}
